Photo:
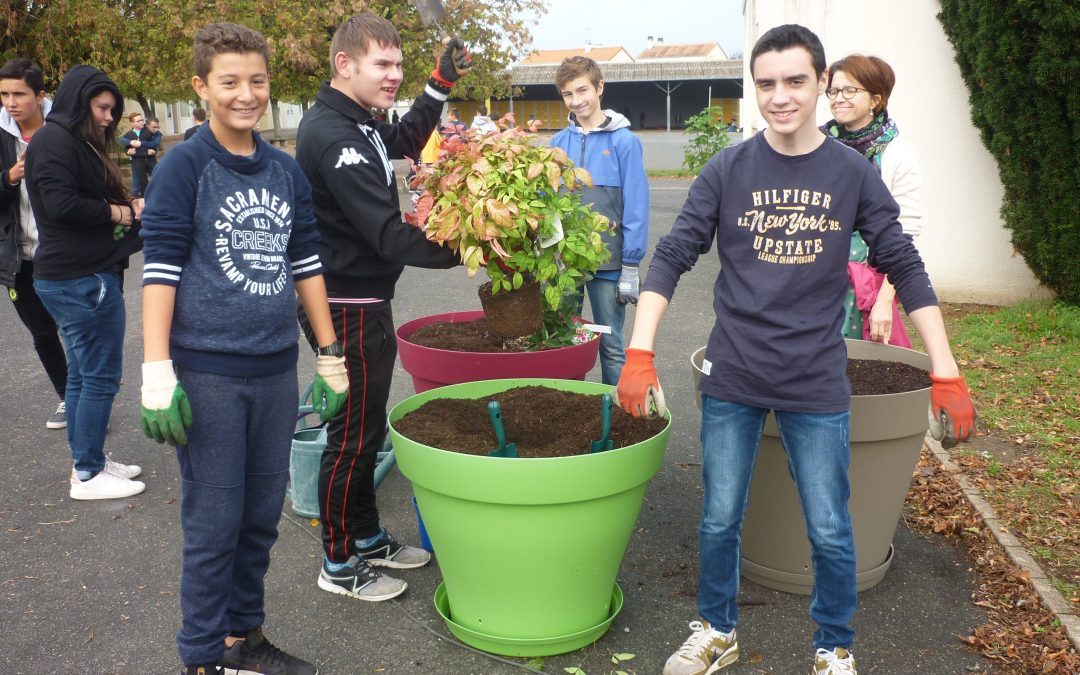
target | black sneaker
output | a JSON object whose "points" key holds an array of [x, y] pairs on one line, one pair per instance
{"points": [[255, 654], [388, 552], [358, 579], [201, 670]]}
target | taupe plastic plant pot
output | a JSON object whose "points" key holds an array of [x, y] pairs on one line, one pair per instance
{"points": [[887, 434]]}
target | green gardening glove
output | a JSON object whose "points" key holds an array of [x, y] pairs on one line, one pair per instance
{"points": [[330, 389], [166, 412]]}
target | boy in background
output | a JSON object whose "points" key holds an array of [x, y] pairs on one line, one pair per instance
{"points": [[365, 246], [22, 94], [781, 208], [199, 115], [600, 141], [230, 233]]}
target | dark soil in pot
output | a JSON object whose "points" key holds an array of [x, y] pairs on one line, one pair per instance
{"points": [[543, 422], [513, 313], [869, 377], [466, 336]]}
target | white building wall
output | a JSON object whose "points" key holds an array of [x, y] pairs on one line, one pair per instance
{"points": [[964, 242]]}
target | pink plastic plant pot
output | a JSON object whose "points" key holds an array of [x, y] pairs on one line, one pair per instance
{"points": [[432, 368]]}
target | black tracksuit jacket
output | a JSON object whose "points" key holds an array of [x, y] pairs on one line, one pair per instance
{"points": [[345, 153]]}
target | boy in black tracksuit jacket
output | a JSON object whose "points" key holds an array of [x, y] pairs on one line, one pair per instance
{"points": [[364, 246]]}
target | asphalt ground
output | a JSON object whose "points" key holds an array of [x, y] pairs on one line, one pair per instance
{"points": [[93, 587]]}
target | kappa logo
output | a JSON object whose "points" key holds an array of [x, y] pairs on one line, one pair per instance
{"points": [[350, 156]]}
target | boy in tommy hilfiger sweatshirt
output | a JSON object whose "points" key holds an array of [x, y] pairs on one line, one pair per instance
{"points": [[230, 233]]}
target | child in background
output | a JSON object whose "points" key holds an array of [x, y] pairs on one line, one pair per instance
{"points": [[601, 142]]}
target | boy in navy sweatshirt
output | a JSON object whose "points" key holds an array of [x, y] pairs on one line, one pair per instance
{"points": [[781, 208], [600, 141], [230, 232]]}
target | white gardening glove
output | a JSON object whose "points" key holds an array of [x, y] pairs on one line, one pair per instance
{"points": [[166, 412], [331, 386]]}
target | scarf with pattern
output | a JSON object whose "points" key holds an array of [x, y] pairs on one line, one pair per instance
{"points": [[870, 141]]}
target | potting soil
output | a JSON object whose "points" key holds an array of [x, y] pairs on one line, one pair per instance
{"points": [[869, 377], [543, 422], [466, 336]]}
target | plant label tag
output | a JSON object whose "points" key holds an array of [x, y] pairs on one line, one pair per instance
{"points": [[596, 328], [706, 366], [555, 237]]}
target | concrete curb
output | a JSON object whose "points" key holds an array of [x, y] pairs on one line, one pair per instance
{"points": [[1049, 595]]}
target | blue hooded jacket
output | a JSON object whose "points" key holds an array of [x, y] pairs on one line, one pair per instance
{"points": [[612, 155]]}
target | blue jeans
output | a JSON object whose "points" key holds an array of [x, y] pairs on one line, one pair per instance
{"points": [[819, 452], [233, 473], [606, 311], [90, 314]]}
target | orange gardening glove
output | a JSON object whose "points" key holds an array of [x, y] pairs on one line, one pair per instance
{"points": [[952, 414], [639, 392]]}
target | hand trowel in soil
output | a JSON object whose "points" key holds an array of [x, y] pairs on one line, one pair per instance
{"points": [[605, 442], [505, 449]]}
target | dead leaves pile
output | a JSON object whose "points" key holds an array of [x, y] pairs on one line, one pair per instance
{"points": [[1019, 635]]}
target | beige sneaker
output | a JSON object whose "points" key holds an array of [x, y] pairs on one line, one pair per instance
{"points": [[837, 661], [106, 486], [704, 652]]}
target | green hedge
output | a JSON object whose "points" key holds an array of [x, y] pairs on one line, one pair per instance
{"points": [[1020, 60]]}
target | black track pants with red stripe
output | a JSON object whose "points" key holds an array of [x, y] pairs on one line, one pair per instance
{"points": [[355, 434]]}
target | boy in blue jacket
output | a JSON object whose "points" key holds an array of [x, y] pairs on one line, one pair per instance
{"points": [[230, 232], [601, 142]]}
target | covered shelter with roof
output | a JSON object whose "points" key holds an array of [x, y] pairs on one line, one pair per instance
{"points": [[660, 89]]}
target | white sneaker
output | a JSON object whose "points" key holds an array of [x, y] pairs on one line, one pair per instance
{"points": [[706, 651], [123, 470], [837, 661], [106, 486]]}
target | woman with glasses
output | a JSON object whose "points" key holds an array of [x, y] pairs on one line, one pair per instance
{"points": [[858, 93]]}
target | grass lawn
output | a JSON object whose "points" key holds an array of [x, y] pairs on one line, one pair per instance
{"points": [[1022, 365]]}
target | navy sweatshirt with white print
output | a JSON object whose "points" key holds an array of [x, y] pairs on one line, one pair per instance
{"points": [[782, 227], [231, 233]]}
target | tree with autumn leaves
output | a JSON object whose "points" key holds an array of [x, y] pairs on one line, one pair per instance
{"points": [[145, 45]]}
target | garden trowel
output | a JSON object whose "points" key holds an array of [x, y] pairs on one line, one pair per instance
{"points": [[605, 442], [505, 449], [432, 13]]}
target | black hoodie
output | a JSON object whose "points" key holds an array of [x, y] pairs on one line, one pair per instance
{"points": [[67, 187]]}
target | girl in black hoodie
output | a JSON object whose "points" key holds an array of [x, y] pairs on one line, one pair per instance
{"points": [[85, 220]]}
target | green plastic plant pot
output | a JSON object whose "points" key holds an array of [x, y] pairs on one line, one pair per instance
{"points": [[887, 433], [528, 547]]}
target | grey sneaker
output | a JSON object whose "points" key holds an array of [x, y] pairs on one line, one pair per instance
{"points": [[388, 552], [837, 661], [704, 652], [358, 579], [58, 420]]}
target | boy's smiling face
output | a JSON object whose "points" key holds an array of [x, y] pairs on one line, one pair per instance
{"points": [[371, 79], [582, 98], [238, 91], [787, 90]]}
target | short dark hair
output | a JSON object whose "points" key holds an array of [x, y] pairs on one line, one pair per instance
{"points": [[786, 37], [199, 114], [25, 70], [873, 73], [153, 118], [358, 32], [226, 38], [574, 67]]}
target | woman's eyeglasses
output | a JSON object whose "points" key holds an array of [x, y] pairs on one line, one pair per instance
{"points": [[848, 92]]}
